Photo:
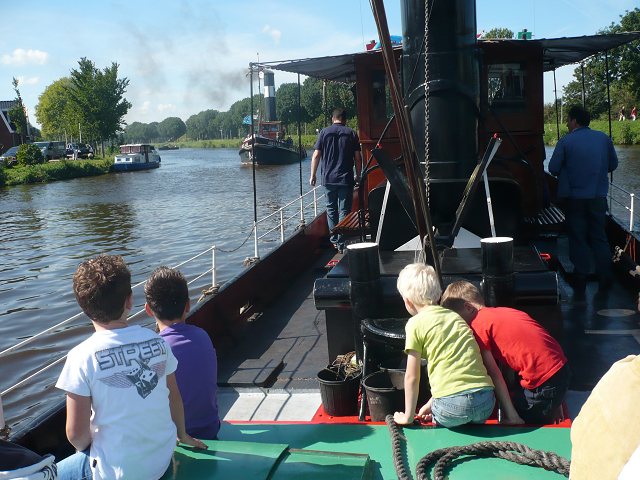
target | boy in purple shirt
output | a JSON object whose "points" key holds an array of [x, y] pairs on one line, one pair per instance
{"points": [[167, 296]]}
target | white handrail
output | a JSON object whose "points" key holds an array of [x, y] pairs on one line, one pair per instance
{"points": [[213, 270], [630, 208]]}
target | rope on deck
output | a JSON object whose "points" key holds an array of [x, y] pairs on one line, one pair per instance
{"points": [[512, 451]]}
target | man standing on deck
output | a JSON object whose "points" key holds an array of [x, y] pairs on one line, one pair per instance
{"points": [[338, 146], [581, 161]]}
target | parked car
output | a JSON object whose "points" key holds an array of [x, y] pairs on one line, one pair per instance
{"points": [[10, 156], [82, 150], [51, 150]]}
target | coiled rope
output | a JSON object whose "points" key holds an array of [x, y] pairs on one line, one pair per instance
{"points": [[512, 451]]}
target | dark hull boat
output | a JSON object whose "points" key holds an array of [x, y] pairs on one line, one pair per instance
{"points": [[269, 152], [279, 322]]}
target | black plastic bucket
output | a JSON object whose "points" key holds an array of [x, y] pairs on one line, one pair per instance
{"points": [[385, 393], [400, 364], [339, 396]]}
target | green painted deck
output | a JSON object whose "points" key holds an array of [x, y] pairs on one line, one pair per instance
{"points": [[252, 450]]}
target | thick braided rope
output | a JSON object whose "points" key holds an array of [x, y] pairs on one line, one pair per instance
{"points": [[396, 448], [514, 452]]}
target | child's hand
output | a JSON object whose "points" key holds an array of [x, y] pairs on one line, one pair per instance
{"points": [[403, 418], [192, 442]]}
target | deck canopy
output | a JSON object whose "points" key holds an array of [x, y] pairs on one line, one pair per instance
{"points": [[558, 52]]}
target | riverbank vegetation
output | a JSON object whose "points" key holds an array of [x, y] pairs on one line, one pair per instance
{"points": [[308, 141], [52, 171], [624, 85], [622, 133]]}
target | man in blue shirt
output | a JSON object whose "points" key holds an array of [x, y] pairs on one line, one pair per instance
{"points": [[581, 161], [339, 147]]}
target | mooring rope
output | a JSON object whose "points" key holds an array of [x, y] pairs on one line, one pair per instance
{"points": [[512, 451]]}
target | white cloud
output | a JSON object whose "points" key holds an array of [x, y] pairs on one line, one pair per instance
{"points": [[27, 81], [144, 108], [166, 107], [26, 57], [273, 33]]}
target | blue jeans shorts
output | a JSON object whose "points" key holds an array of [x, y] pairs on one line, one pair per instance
{"points": [[76, 467], [460, 409]]}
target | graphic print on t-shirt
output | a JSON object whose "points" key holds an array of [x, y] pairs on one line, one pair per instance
{"points": [[136, 355]]}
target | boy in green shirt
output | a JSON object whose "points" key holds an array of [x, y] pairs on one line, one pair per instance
{"points": [[461, 390]]}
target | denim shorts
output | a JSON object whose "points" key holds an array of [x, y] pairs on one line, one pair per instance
{"points": [[457, 410]]}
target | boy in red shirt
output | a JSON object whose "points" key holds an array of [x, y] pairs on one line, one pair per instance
{"points": [[520, 343]]}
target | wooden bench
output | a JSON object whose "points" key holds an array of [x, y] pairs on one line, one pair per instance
{"points": [[350, 225]]}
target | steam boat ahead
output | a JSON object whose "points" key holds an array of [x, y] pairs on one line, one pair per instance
{"points": [[268, 145]]}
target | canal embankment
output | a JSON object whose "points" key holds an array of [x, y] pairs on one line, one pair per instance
{"points": [[55, 170], [626, 132]]}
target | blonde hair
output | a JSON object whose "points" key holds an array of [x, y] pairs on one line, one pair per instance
{"points": [[458, 293], [418, 283]]}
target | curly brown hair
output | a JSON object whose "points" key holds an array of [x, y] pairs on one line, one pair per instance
{"points": [[102, 285], [167, 293]]}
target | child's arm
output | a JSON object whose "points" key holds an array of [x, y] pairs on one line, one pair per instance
{"points": [[502, 394], [411, 386], [79, 421], [177, 413]]}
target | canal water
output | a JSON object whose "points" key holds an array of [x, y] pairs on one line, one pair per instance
{"points": [[197, 198]]}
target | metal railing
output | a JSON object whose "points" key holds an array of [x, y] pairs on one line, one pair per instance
{"points": [[630, 207], [280, 227]]}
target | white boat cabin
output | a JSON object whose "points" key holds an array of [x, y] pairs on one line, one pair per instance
{"points": [[137, 153]]}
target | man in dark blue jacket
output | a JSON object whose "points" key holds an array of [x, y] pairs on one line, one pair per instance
{"points": [[581, 161], [339, 147]]}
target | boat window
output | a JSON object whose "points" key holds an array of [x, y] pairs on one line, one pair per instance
{"points": [[507, 87], [382, 106]]}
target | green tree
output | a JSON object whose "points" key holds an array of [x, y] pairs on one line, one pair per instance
{"points": [[17, 114], [96, 101], [624, 72], [51, 110], [498, 33], [171, 128], [29, 154], [287, 106], [111, 103], [311, 97]]}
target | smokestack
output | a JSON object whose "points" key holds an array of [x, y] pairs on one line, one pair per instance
{"points": [[269, 96]]}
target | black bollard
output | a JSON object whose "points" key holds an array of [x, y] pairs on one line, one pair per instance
{"points": [[498, 279], [366, 295]]}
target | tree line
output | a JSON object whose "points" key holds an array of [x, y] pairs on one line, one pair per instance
{"points": [[213, 124], [89, 101]]}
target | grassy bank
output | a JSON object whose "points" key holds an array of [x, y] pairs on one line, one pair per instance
{"points": [[52, 171], [307, 141], [622, 133]]}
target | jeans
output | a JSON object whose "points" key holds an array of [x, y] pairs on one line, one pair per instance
{"points": [[457, 410], [585, 227], [76, 467], [339, 201], [539, 405]]}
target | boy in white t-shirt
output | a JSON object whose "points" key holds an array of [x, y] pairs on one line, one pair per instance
{"points": [[124, 410]]}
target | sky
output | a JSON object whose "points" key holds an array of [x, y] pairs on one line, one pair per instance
{"points": [[185, 56]]}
